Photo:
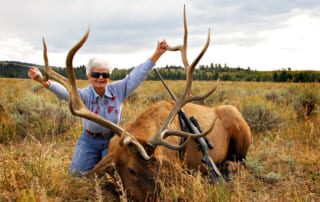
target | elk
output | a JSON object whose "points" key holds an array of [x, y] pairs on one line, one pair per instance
{"points": [[153, 138]]}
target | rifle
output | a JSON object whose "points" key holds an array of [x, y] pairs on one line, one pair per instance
{"points": [[191, 125]]}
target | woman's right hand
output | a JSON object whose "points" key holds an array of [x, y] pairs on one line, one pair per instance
{"points": [[35, 74]]}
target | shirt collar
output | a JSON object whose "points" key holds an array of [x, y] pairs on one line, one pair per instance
{"points": [[107, 93]]}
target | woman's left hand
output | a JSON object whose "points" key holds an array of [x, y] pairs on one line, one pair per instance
{"points": [[162, 46]]}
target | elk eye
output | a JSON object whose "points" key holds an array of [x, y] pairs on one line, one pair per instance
{"points": [[133, 172]]}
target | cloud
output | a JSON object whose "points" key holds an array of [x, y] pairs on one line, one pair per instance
{"points": [[15, 48], [111, 23], [130, 29]]}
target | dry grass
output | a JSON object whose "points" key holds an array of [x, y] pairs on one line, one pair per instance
{"points": [[282, 164]]}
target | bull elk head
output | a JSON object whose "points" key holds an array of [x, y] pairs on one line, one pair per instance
{"points": [[78, 108]]}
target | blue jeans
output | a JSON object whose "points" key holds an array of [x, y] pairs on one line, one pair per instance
{"points": [[88, 152]]}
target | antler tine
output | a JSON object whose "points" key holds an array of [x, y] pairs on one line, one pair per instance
{"points": [[159, 137], [192, 67], [77, 107], [71, 53], [160, 140], [173, 146], [50, 72], [185, 39], [203, 96], [46, 61], [198, 58], [183, 48], [180, 133], [75, 103], [187, 135]]}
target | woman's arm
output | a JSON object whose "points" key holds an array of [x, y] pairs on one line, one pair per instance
{"points": [[125, 86], [58, 89], [35, 74]]}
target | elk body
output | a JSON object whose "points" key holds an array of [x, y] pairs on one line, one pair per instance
{"points": [[230, 136], [139, 150]]}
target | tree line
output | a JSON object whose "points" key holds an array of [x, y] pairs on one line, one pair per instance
{"points": [[12, 69]]}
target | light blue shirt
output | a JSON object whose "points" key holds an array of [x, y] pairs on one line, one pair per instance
{"points": [[108, 106]]}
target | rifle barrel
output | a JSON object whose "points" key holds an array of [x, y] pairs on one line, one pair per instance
{"points": [[165, 85]]}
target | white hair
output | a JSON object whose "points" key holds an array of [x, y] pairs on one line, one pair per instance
{"points": [[98, 62]]}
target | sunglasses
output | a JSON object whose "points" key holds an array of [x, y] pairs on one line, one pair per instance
{"points": [[97, 75]]}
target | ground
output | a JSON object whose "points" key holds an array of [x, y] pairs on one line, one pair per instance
{"points": [[38, 135]]}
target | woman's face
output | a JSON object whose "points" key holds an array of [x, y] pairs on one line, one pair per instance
{"points": [[99, 77]]}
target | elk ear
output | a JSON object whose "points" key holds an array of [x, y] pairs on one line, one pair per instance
{"points": [[136, 146], [149, 149]]}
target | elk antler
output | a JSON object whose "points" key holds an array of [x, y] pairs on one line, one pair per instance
{"points": [[78, 108], [76, 105], [164, 132]]}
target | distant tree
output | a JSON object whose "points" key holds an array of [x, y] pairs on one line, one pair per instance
{"points": [[13, 69]]}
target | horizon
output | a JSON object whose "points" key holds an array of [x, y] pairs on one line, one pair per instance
{"points": [[264, 36], [171, 65]]}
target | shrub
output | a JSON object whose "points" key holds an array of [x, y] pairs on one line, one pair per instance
{"points": [[260, 118], [305, 103], [272, 96], [218, 97], [254, 165], [35, 115], [133, 97], [272, 177], [158, 97], [281, 97]]}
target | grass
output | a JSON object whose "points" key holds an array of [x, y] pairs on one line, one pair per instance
{"points": [[283, 163]]}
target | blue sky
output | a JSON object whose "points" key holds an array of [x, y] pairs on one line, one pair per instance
{"points": [[264, 35]]}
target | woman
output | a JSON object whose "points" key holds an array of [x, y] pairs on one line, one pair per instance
{"points": [[103, 98]]}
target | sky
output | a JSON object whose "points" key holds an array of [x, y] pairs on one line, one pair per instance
{"points": [[262, 35]]}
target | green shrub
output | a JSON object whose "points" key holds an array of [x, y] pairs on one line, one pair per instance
{"points": [[305, 103], [33, 114], [254, 166], [218, 97], [158, 97], [281, 97], [272, 96], [260, 118], [272, 177], [133, 97]]}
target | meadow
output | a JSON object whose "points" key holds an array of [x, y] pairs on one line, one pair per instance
{"points": [[38, 135]]}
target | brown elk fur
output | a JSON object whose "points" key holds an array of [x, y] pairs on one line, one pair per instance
{"points": [[231, 138]]}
